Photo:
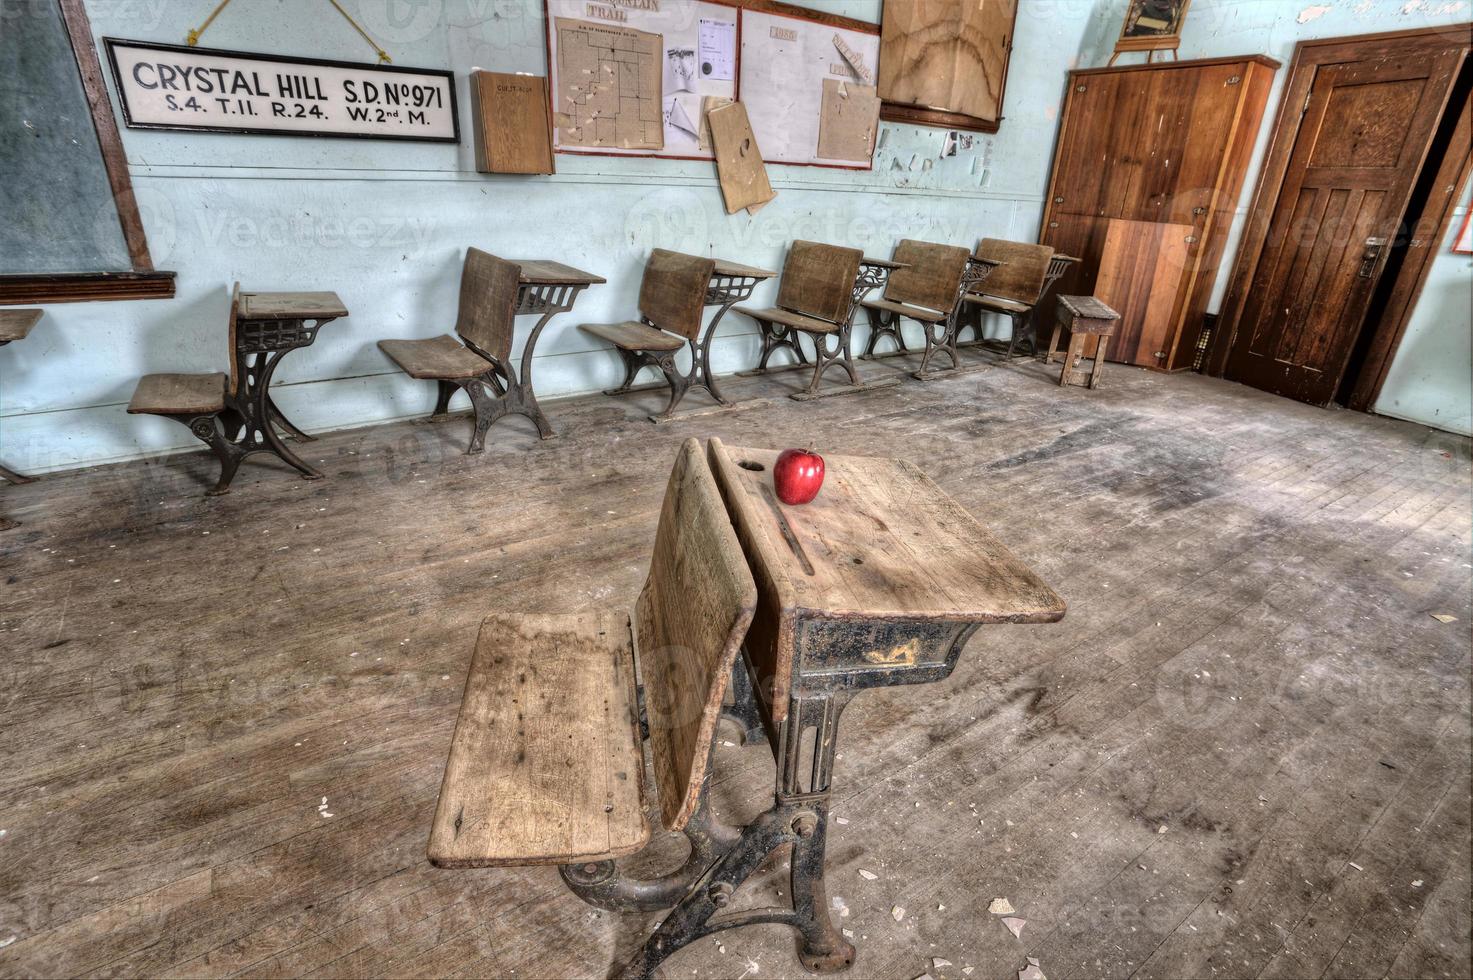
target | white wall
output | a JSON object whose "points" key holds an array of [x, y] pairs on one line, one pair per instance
{"points": [[385, 224]]}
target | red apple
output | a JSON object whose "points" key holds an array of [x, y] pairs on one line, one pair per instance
{"points": [[797, 475]]}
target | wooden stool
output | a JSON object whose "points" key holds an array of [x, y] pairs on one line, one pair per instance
{"points": [[1085, 317]]}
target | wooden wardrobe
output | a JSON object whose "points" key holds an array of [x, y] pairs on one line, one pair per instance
{"points": [[1166, 144]]}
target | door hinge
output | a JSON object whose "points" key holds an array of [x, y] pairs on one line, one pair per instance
{"points": [[1307, 96]]}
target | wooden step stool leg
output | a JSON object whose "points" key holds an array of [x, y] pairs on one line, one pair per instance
{"points": [[1053, 343], [1076, 350], [1101, 342]]}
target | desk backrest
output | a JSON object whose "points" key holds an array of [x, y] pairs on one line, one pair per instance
{"points": [[689, 624], [488, 302], [1020, 276], [672, 294], [934, 276], [234, 319], [818, 280]]}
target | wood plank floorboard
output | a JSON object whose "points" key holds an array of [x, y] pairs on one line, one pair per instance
{"points": [[1245, 752]]}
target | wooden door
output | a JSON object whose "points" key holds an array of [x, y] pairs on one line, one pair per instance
{"points": [[1365, 127]]}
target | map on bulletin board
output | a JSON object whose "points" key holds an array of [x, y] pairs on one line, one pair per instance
{"points": [[631, 79], [637, 77]]}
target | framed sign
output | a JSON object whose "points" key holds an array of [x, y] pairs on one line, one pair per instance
{"points": [[1151, 26], [170, 86]]}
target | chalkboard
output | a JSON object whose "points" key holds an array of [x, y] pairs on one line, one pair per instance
{"points": [[59, 212]]}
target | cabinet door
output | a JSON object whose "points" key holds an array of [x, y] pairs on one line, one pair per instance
{"points": [[1082, 161]]}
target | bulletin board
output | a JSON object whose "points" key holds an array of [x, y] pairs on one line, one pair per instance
{"points": [[807, 103], [659, 62]]}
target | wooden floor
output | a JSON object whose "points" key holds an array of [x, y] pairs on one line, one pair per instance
{"points": [[1245, 751]]}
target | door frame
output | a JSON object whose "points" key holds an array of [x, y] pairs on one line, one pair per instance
{"points": [[1309, 57]]}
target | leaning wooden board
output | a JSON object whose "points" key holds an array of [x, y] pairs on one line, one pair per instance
{"points": [[739, 165]]}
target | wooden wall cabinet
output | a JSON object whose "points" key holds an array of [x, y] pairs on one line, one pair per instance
{"points": [[1165, 143]]}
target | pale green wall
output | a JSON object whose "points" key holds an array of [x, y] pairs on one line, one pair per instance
{"points": [[1431, 379], [385, 224]]}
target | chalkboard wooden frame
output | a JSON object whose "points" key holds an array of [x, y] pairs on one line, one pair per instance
{"points": [[143, 282]]}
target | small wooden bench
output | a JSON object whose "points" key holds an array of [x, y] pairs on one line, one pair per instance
{"points": [[1083, 317], [815, 297], [926, 291], [672, 304], [545, 765], [1026, 273]]}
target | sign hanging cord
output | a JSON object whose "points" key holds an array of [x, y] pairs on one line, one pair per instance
{"points": [[194, 35]]}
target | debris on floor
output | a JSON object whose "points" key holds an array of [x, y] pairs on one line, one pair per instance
{"points": [[1001, 906], [1015, 925], [937, 963], [897, 913], [1032, 971], [867, 875], [1444, 618]]}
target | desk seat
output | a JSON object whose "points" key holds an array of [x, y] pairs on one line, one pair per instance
{"points": [[905, 309], [545, 765], [633, 336], [787, 318], [997, 303], [178, 394], [438, 358]]}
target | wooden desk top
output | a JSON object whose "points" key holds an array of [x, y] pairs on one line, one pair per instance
{"points": [[291, 306], [883, 542], [884, 263], [16, 324], [878, 577], [725, 268], [545, 272]]}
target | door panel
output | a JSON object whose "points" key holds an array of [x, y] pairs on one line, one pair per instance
{"points": [[1142, 269], [1362, 136]]}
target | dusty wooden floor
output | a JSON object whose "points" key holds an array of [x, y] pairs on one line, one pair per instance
{"points": [[1244, 752]]}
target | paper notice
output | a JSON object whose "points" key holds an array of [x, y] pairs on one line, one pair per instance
{"points": [[707, 104], [848, 119], [609, 86], [681, 131], [680, 70], [717, 50]]}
